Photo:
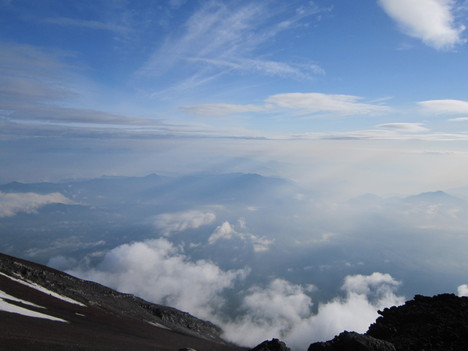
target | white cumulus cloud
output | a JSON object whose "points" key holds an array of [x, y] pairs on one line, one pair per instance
{"points": [[462, 290], [158, 271], [13, 203], [431, 21], [169, 223], [283, 309], [226, 231]]}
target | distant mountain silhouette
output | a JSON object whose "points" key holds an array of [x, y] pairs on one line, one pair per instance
{"points": [[229, 187], [435, 196]]}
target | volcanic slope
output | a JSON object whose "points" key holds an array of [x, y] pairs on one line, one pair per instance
{"points": [[45, 309]]}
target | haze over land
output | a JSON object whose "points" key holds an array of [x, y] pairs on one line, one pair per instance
{"points": [[310, 153]]}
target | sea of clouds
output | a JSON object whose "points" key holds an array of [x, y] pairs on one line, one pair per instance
{"points": [[160, 272]]}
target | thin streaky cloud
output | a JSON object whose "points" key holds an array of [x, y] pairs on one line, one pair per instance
{"points": [[221, 38], [303, 103], [266, 67], [379, 134], [404, 127], [220, 109], [329, 103]]}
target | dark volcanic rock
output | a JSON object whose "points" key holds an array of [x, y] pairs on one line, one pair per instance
{"points": [[351, 341], [425, 323], [272, 345]]}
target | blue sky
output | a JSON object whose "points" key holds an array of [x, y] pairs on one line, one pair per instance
{"points": [[352, 90]]}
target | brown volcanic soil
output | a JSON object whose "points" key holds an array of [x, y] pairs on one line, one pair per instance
{"points": [[94, 327]]}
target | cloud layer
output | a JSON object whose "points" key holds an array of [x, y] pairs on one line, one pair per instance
{"points": [[159, 271], [13, 203], [284, 309]]}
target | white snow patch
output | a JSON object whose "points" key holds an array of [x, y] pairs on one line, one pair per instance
{"points": [[43, 290], [8, 307], [4, 295]]}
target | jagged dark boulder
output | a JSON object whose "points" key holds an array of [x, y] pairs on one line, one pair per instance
{"points": [[422, 324], [351, 341], [425, 323], [271, 345]]}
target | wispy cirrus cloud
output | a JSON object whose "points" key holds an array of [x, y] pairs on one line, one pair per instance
{"points": [[220, 38], [431, 21], [265, 67]]}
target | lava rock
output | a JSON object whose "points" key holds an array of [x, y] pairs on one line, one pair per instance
{"points": [[272, 345], [425, 323], [351, 341]]}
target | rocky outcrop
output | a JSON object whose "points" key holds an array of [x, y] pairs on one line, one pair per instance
{"points": [[438, 323], [425, 323], [272, 345], [351, 341]]}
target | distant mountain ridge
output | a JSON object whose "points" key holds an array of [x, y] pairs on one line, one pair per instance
{"points": [[431, 196], [208, 186]]}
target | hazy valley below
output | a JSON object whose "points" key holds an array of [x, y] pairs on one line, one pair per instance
{"points": [[260, 256]]}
